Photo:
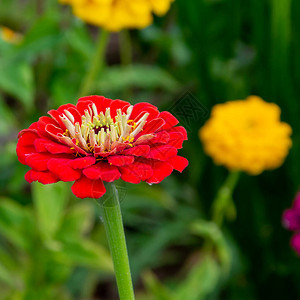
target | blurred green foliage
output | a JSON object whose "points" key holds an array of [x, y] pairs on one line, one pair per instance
{"points": [[53, 246]]}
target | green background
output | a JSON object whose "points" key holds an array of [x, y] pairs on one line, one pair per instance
{"points": [[53, 246]]}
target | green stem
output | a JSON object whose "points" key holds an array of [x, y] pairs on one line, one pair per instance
{"points": [[223, 203], [126, 57], [125, 48], [96, 64], [112, 218]]}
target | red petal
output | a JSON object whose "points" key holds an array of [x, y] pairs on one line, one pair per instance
{"points": [[143, 107], [144, 139], [179, 163], [129, 175], [28, 176], [82, 162], [163, 152], [102, 170], [86, 188], [179, 129], [118, 104], [38, 161], [101, 103], [170, 120], [32, 128], [93, 98], [56, 133], [105, 104], [118, 147], [120, 160], [140, 150], [53, 131], [67, 106], [160, 171], [55, 115], [43, 122], [60, 167], [25, 145], [142, 168], [76, 114], [42, 177], [153, 126], [176, 140], [161, 137], [46, 145], [72, 109], [83, 105]]}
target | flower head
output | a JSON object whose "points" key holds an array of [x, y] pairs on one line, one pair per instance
{"points": [[291, 221], [115, 15], [246, 135], [102, 140]]}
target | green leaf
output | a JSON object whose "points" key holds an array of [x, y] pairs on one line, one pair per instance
{"points": [[79, 39], [142, 195], [8, 267], [50, 201], [77, 221], [16, 224], [157, 289], [16, 79], [59, 91], [42, 37], [201, 281], [85, 253], [211, 231], [151, 249], [7, 118], [118, 78]]}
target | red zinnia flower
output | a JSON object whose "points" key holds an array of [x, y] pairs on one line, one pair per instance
{"points": [[102, 140]]}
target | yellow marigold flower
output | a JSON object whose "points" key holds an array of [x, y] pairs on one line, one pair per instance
{"points": [[115, 15], [9, 35], [246, 135]]}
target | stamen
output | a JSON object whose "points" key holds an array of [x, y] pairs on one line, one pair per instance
{"points": [[102, 136], [95, 109], [79, 137], [113, 133], [88, 117], [100, 132], [107, 140], [68, 125], [70, 116], [129, 111], [92, 138], [140, 125]]}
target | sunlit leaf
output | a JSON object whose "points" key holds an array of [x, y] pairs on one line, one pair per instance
{"points": [[16, 224], [16, 79], [212, 233], [136, 76], [77, 221], [41, 37], [50, 201], [201, 280], [85, 253], [156, 288], [9, 270]]}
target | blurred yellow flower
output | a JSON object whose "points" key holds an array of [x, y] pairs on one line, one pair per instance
{"points": [[246, 135], [114, 15], [9, 35]]}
